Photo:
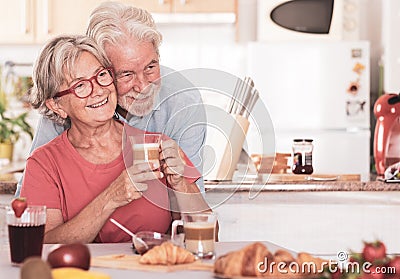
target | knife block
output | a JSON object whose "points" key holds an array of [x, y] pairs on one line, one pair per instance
{"points": [[223, 147]]}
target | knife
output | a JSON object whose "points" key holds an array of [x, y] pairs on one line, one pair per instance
{"points": [[247, 95]]}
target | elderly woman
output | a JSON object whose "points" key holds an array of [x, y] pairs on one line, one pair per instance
{"points": [[131, 41], [80, 175]]}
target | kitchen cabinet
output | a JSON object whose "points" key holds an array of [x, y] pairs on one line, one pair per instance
{"points": [[185, 6], [204, 6], [17, 24], [319, 222], [35, 21], [153, 6], [55, 17]]}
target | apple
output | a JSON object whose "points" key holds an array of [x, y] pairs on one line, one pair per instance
{"points": [[70, 255], [19, 205]]}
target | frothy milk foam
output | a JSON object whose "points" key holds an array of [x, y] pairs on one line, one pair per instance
{"points": [[199, 237], [146, 152]]}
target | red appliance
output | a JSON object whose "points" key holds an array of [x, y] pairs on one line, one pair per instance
{"points": [[387, 131]]}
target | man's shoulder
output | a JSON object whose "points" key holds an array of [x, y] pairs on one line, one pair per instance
{"points": [[176, 88]]}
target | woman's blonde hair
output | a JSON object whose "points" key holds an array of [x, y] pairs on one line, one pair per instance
{"points": [[111, 22], [54, 67]]}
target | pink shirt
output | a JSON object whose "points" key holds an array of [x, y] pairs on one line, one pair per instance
{"points": [[59, 177]]}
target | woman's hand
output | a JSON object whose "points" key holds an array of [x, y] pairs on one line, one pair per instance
{"points": [[130, 184], [172, 163]]}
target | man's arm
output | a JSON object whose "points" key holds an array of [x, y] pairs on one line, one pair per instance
{"points": [[187, 121], [45, 132], [192, 135]]}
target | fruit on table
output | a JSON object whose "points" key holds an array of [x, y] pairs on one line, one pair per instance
{"points": [[394, 264], [77, 273], [378, 264], [35, 267], [19, 205], [373, 273], [70, 255], [374, 251]]}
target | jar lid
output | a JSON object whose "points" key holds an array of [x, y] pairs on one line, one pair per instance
{"points": [[302, 140]]}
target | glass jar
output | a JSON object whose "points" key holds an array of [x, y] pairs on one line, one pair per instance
{"points": [[302, 156]]}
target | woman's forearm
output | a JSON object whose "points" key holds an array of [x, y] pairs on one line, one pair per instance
{"points": [[85, 226]]}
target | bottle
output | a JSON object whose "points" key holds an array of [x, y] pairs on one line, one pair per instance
{"points": [[302, 156]]}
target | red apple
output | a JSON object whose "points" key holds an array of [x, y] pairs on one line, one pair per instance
{"points": [[70, 255], [19, 205]]}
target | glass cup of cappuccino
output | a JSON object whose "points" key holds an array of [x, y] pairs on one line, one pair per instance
{"points": [[146, 148], [199, 233]]}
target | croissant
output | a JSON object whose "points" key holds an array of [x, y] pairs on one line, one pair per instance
{"points": [[244, 262], [305, 258], [167, 254], [256, 260], [283, 256]]}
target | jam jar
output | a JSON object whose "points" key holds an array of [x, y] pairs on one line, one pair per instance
{"points": [[302, 156]]}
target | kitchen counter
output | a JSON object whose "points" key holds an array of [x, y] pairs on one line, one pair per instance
{"points": [[8, 184], [299, 183], [9, 176], [303, 186]]}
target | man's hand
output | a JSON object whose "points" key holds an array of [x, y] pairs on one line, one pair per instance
{"points": [[172, 163]]}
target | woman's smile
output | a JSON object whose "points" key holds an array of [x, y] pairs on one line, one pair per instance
{"points": [[99, 104]]}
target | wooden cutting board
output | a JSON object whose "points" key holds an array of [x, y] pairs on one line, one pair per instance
{"points": [[310, 178], [132, 262]]}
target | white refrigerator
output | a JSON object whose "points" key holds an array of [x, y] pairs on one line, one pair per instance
{"points": [[317, 90]]}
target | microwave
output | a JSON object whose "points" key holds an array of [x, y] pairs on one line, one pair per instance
{"points": [[279, 20]]}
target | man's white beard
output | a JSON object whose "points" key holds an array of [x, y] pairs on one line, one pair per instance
{"points": [[139, 108]]}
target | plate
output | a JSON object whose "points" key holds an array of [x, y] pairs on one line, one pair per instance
{"points": [[122, 261]]}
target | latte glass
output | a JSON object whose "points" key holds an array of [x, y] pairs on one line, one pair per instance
{"points": [[146, 148], [199, 233]]}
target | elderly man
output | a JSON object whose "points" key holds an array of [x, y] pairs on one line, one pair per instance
{"points": [[150, 97]]}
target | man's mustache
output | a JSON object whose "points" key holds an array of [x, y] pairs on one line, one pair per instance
{"points": [[149, 91]]}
